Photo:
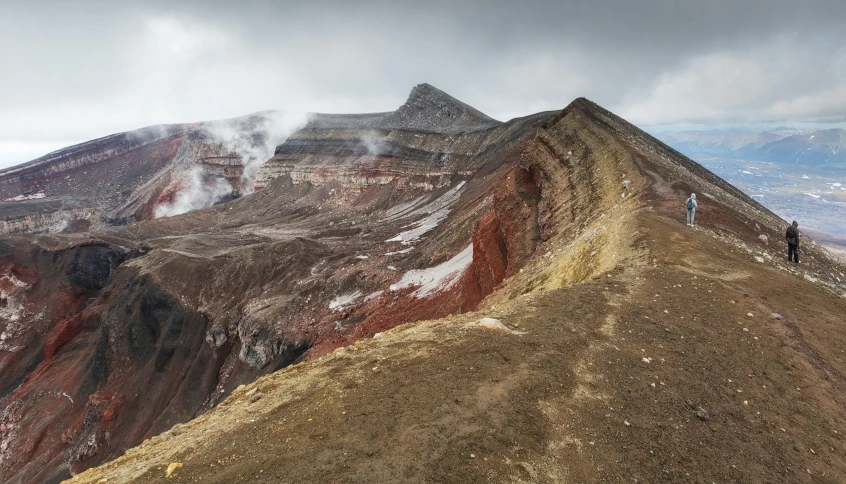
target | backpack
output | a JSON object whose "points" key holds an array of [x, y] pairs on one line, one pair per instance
{"points": [[690, 205], [791, 232]]}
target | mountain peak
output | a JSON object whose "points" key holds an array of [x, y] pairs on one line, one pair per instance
{"points": [[427, 107], [423, 93]]}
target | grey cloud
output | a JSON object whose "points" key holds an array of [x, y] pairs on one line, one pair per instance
{"points": [[85, 69]]}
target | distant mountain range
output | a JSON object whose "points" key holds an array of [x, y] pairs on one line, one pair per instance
{"points": [[823, 148]]}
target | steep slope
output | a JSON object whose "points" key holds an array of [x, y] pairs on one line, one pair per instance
{"points": [[365, 222], [634, 348], [594, 382], [209, 300], [129, 176]]}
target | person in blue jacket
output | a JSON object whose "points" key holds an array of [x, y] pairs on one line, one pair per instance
{"points": [[691, 209]]}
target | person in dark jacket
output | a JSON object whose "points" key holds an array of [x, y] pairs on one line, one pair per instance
{"points": [[793, 242]]}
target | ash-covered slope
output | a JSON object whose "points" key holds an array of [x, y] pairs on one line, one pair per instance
{"points": [[194, 305], [345, 241], [138, 175], [633, 347]]}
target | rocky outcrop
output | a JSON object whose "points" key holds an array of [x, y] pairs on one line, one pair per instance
{"points": [[426, 142], [47, 216]]}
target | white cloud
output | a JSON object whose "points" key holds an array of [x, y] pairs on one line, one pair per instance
{"points": [[13, 152], [180, 38], [783, 79], [77, 71]]}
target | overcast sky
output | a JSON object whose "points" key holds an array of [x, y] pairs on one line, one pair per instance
{"points": [[74, 71]]}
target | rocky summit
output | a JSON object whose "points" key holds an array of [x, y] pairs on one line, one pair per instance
{"points": [[426, 295]]}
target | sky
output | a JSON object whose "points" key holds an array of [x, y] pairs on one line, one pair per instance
{"points": [[74, 71]]}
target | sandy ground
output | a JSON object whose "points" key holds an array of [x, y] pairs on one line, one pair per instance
{"points": [[670, 367]]}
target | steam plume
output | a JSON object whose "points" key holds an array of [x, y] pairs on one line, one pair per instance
{"points": [[252, 138]]}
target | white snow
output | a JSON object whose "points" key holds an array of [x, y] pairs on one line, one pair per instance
{"points": [[362, 257], [438, 278], [344, 300], [435, 212], [20, 198], [403, 209], [403, 251], [806, 177], [373, 294], [746, 172], [811, 195]]}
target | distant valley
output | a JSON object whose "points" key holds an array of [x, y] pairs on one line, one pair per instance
{"points": [[798, 175], [820, 148]]}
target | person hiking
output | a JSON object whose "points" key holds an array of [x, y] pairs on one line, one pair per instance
{"points": [[793, 242], [691, 209]]}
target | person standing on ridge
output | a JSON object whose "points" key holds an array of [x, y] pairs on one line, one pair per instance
{"points": [[793, 242], [691, 209]]}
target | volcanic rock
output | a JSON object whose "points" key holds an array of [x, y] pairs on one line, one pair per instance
{"points": [[119, 333]]}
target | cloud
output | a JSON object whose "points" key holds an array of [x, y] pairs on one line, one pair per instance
{"points": [[783, 79], [77, 71]]}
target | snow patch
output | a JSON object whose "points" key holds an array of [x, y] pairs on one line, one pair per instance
{"points": [[403, 209], [373, 295], [438, 278], [436, 212], [20, 198], [343, 301], [811, 195]]}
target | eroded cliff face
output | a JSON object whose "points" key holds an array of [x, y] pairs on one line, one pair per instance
{"points": [[362, 223]]}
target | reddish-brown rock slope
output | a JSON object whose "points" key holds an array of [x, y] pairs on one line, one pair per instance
{"points": [[363, 222]]}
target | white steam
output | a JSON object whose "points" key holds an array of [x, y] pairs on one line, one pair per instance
{"points": [[196, 192], [374, 143], [252, 138], [255, 139]]}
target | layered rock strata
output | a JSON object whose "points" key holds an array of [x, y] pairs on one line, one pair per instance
{"points": [[351, 234]]}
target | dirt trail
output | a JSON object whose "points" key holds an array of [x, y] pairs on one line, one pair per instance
{"points": [[603, 386]]}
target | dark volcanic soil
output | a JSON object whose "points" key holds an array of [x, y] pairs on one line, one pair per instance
{"points": [[602, 386], [564, 223]]}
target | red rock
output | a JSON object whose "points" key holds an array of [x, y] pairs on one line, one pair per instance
{"points": [[130, 330]]}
